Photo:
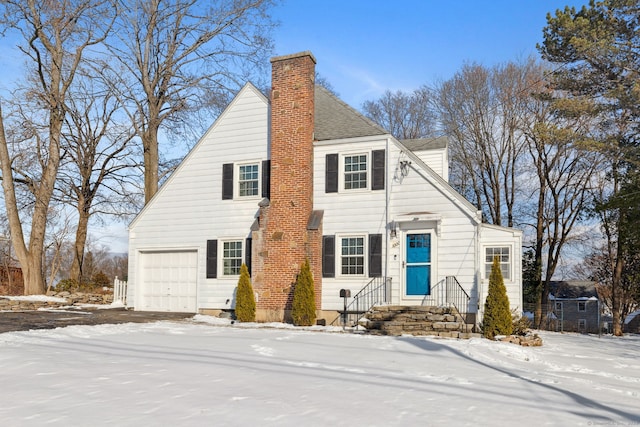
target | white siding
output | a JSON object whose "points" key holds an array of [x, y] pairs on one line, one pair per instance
{"points": [[365, 212], [188, 210], [493, 236], [436, 159]]}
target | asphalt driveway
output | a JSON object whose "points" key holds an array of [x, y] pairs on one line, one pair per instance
{"points": [[41, 319]]}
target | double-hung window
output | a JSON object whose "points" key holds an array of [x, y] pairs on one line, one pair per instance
{"points": [[504, 258], [231, 257], [352, 254], [248, 180], [355, 171], [582, 306]]}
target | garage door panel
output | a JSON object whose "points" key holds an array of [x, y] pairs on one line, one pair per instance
{"points": [[169, 281]]}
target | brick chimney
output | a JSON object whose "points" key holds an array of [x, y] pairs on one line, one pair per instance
{"points": [[284, 238]]}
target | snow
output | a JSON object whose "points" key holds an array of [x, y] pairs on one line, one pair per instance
{"points": [[39, 298], [207, 371]]}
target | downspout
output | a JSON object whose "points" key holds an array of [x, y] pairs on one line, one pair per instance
{"points": [[386, 220], [479, 290]]}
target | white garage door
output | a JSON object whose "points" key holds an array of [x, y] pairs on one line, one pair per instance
{"points": [[169, 281]]}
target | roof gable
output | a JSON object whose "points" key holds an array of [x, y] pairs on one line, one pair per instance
{"points": [[334, 119], [248, 91]]}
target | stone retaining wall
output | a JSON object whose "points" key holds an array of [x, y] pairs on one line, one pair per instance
{"points": [[416, 320], [66, 299]]}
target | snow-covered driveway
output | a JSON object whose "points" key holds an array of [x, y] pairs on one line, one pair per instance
{"points": [[199, 374]]}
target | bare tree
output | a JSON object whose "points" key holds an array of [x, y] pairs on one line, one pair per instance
{"points": [[597, 49], [98, 163], [480, 110], [180, 56], [404, 115], [565, 170], [56, 36]]}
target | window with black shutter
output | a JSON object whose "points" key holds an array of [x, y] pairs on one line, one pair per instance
{"points": [[328, 256], [331, 173], [375, 255], [247, 254], [227, 181], [212, 259], [266, 178], [378, 170]]}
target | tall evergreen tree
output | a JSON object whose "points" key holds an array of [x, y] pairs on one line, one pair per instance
{"points": [[245, 300], [497, 316], [303, 310]]}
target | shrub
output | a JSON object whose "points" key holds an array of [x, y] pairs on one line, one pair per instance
{"points": [[303, 311], [100, 280], [245, 300], [521, 325], [68, 285], [497, 316]]}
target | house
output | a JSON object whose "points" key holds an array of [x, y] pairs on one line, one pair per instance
{"points": [[304, 175], [575, 307], [632, 323]]}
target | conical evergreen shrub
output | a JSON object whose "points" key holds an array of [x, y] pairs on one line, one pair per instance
{"points": [[303, 311], [245, 299], [497, 316]]}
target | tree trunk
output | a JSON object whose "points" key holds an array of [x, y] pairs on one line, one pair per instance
{"points": [[32, 274], [151, 160], [81, 240], [540, 230], [616, 284]]}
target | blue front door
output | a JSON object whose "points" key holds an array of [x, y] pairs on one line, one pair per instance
{"points": [[418, 264]]}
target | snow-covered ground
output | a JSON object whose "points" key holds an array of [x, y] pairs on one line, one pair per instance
{"points": [[203, 373]]}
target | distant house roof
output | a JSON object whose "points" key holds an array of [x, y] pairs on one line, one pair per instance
{"points": [[424, 144], [336, 120], [573, 289]]}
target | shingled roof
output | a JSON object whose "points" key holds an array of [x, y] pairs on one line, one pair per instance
{"points": [[424, 144], [336, 120], [573, 289]]}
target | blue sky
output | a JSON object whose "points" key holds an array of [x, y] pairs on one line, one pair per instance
{"points": [[364, 47]]}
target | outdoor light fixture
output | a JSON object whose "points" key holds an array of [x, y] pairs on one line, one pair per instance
{"points": [[404, 167]]}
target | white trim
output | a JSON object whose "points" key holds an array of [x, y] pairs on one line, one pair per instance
{"points": [[509, 246], [236, 179], [342, 172], [370, 139], [220, 260], [338, 251]]}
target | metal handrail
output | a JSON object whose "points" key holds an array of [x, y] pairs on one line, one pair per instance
{"points": [[376, 292], [457, 296]]}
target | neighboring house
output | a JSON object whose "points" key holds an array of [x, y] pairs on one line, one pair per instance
{"points": [[303, 175], [632, 323], [575, 307]]}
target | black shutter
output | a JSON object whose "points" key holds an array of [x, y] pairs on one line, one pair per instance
{"points": [[331, 174], [377, 170], [227, 181], [266, 179], [328, 256], [247, 254], [375, 255], [212, 259]]}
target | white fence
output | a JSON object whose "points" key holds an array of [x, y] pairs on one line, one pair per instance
{"points": [[119, 291]]}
